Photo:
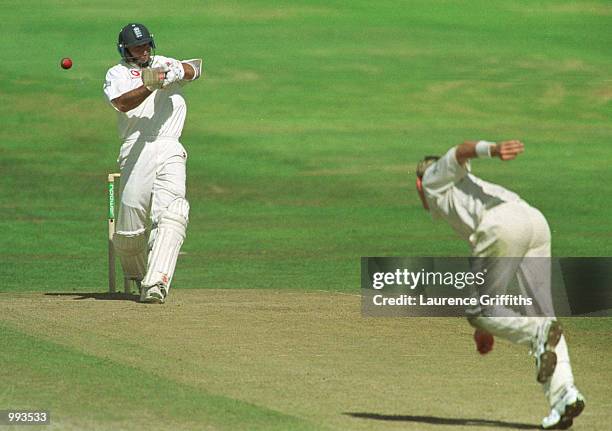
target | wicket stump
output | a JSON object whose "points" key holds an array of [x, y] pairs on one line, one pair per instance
{"points": [[127, 285]]}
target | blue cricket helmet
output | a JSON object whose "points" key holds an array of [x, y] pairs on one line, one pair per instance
{"points": [[133, 34]]}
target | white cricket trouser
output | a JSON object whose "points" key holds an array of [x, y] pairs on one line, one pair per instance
{"points": [[153, 174], [519, 234], [152, 177]]}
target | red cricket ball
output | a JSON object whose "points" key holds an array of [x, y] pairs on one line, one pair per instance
{"points": [[66, 63], [484, 341]]}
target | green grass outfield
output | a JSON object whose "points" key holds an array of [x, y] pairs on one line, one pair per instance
{"points": [[302, 140]]}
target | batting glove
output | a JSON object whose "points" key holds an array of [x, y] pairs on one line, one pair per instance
{"points": [[174, 74], [153, 78]]}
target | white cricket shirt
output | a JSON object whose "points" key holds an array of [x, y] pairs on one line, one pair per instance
{"points": [[162, 114], [459, 197]]}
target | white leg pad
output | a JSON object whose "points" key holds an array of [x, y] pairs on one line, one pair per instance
{"points": [[167, 244], [563, 376], [131, 247]]}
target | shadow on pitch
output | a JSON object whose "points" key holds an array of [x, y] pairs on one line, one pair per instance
{"points": [[100, 296], [433, 420]]}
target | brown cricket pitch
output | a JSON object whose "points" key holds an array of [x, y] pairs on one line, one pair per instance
{"points": [[313, 356]]}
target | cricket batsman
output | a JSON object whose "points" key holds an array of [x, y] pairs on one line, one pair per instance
{"points": [[513, 238], [146, 92]]}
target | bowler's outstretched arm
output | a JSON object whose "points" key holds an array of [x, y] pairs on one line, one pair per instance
{"points": [[505, 150]]}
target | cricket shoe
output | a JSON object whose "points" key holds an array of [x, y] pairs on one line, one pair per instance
{"points": [[570, 405], [545, 341], [155, 294]]}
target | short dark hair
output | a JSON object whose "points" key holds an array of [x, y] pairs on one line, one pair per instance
{"points": [[424, 164]]}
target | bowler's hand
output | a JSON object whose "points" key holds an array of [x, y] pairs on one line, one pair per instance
{"points": [[508, 150]]}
